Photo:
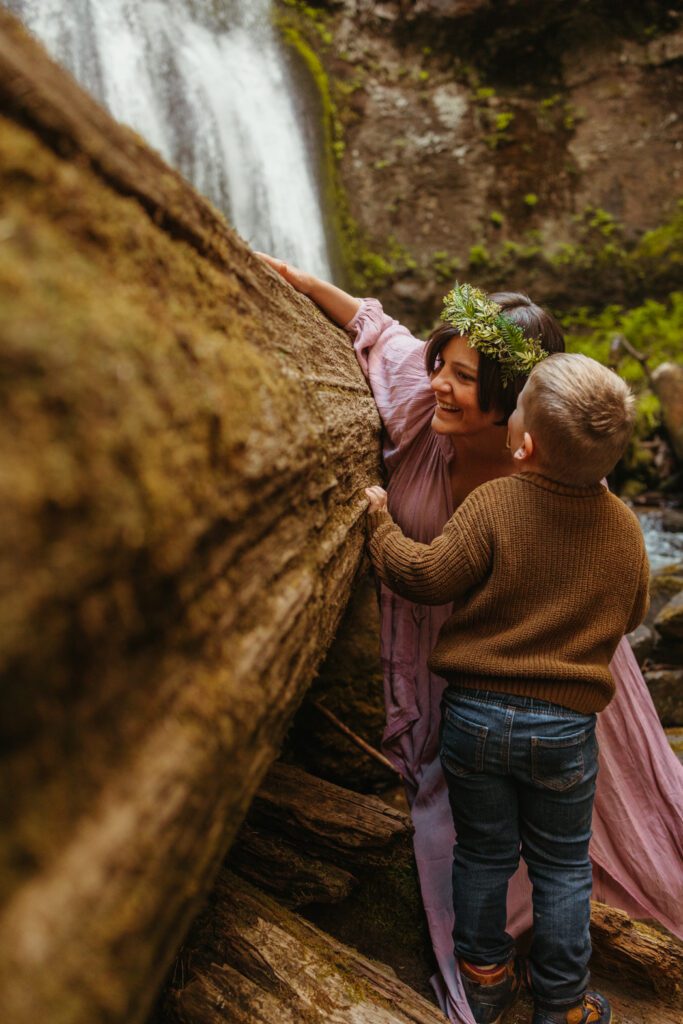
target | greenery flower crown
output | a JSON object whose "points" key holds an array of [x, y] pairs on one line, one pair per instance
{"points": [[489, 331]]}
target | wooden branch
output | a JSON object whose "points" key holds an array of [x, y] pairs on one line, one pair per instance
{"points": [[358, 740], [249, 961]]}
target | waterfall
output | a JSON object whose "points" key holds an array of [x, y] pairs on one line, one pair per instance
{"points": [[208, 85]]}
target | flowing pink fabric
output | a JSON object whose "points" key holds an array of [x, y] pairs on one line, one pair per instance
{"points": [[637, 845]]}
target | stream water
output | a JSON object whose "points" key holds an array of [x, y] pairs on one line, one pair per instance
{"points": [[663, 532], [208, 84]]}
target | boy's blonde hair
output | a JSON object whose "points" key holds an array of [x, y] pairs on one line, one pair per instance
{"points": [[580, 415]]}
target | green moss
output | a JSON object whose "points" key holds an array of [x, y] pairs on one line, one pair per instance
{"points": [[496, 218], [504, 120], [530, 199], [445, 266], [478, 257]]}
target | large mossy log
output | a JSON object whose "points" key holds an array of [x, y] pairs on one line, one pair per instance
{"points": [[184, 442], [249, 961]]}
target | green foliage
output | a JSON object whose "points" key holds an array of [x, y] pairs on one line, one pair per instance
{"points": [[504, 120], [485, 93], [445, 267], [496, 218], [654, 328], [488, 330], [530, 199], [478, 257]]}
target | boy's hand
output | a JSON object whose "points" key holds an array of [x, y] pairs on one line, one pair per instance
{"points": [[377, 498]]}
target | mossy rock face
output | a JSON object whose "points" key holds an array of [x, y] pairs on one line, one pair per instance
{"points": [[666, 688]]}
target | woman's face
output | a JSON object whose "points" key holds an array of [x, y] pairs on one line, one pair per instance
{"points": [[454, 382]]}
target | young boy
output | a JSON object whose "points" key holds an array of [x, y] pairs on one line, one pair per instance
{"points": [[547, 570]]}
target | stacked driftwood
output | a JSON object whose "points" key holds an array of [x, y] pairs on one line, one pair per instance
{"points": [[308, 843]]}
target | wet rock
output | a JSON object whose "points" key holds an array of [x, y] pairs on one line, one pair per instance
{"points": [[666, 689], [665, 583], [642, 642], [669, 621], [667, 381], [667, 653], [672, 520], [675, 738]]}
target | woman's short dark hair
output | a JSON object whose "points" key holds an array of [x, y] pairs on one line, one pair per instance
{"points": [[534, 321]]}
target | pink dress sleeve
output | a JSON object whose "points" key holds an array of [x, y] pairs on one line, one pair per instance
{"points": [[393, 362]]}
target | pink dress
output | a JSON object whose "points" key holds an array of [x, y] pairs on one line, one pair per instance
{"points": [[637, 844]]}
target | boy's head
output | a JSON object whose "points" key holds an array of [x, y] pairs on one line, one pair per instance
{"points": [[573, 419]]}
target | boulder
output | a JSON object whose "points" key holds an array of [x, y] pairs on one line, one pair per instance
{"points": [[669, 620], [665, 583], [666, 688], [667, 382], [641, 641]]}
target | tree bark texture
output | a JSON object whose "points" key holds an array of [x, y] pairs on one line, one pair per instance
{"points": [[350, 685], [249, 961], [184, 444], [633, 951]]}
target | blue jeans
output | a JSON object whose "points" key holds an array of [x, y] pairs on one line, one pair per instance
{"points": [[521, 779]]}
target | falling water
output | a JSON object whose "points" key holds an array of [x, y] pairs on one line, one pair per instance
{"points": [[208, 85]]}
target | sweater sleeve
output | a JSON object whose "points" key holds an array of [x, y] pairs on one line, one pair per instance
{"points": [[641, 600], [392, 359], [428, 573]]}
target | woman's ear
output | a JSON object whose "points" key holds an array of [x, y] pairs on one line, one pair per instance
{"points": [[526, 448]]}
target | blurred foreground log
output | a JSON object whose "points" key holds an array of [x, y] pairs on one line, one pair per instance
{"points": [[249, 961], [184, 443]]}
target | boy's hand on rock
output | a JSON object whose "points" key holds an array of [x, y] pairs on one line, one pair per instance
{"points": [[297, 278], [377, 497]]}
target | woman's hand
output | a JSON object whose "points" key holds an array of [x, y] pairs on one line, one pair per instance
{"points": [[297, 278], [377, 497], [339, 305]]}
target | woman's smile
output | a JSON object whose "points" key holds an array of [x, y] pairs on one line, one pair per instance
{"points": [[455, 386]]}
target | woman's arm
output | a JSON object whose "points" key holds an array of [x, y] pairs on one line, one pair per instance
{"points": [[338, 304]]}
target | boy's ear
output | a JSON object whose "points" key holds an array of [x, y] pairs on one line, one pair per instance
{"points": [[526, 448]]}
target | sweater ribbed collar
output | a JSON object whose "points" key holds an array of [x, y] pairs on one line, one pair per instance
{"points": [[586, 491]]}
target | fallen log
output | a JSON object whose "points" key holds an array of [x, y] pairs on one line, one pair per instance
{"points": [[349, 828], [287, 872], [185, 441], [249, 961], [309, 841], [636, 952], [301, 831]]}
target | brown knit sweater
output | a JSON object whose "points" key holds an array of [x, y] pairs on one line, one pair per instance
{"points": [[546, 579]]}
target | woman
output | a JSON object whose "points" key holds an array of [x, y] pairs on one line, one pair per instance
{"points": [[445, 433]]}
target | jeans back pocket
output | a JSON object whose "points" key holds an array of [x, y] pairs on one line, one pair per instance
{"points": [[462, 744], [558, 763]]}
